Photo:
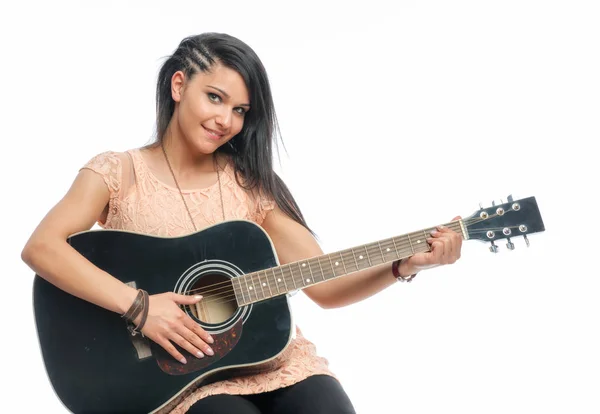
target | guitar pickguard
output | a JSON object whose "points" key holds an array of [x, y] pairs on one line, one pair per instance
{"points": [[224, 343]]}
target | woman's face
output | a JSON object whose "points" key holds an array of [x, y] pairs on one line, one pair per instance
{"points": [[210, 107]]}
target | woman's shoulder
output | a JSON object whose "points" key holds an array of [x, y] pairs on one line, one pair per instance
{"points": [[111, 157], [110, 161], [110, 164]]}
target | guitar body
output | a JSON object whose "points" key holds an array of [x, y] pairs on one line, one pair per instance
{"points": [[93, 362]]}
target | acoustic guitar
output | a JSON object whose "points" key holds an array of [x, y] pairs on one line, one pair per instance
{"points": [[95, 365]]}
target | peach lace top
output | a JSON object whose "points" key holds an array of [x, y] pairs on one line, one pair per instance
{"points": [[141, 203]]}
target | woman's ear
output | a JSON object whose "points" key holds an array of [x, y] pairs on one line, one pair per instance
{"points": [[177, 83]]}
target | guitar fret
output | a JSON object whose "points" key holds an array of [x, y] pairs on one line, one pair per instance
{"points": [[411, 245], [396, 248], [239, 282], [312, 277], [377, 255], [275, 280], [301, 274], [237, 298], [381, 251], [252, 288], [246, 277], [260, 283], [255, 289], [268, 285], [280, 279], [321, 267], [331, 264], [355, 262], [293, 279], [366, 255], [343, 263]]}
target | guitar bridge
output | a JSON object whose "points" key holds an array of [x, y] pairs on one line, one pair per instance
{"points": [[139, 342]]}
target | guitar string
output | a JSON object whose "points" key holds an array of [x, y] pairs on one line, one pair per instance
{"points": [[374, 245], [383, 244], [228, 287], [230, 293], [265, 288]]}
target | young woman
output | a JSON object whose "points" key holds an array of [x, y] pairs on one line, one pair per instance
{"points": [[211, 162]]}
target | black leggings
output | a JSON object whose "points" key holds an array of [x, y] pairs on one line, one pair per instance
{"points": [[318, 394]]}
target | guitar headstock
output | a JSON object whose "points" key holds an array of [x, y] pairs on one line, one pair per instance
{"points": [[512, 219]]}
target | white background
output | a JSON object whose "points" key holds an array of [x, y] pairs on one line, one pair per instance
{"points": [[395, 117]]}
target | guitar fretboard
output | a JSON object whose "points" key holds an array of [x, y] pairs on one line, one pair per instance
{"points": [[280, 280]]}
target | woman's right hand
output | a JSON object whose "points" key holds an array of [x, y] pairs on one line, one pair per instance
{"points": [[167, 324]]}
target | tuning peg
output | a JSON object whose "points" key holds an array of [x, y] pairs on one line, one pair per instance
{"points": [[480, 206], [526, 240], [493, 203], [510, 198], [510, 245], [493, 247]]}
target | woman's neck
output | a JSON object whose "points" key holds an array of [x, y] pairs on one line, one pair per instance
{"points": [[185, 159]]}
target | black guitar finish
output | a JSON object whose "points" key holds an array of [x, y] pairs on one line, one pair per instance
{"points": [[88, 352]]}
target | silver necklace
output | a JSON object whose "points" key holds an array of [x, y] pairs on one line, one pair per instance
{"points": [[181, 194]]}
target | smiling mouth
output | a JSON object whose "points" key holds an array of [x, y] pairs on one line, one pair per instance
{"points": [[213, 134]]}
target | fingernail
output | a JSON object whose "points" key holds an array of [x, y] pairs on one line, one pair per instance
{"points": [[183, 361], [210, 340], [199, 354], [197, 297], [434, 233], [210, 352]]}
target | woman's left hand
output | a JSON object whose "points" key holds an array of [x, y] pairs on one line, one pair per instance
{"points": [[445, 249]]}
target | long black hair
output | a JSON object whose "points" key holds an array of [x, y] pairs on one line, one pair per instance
{"points": [[252, 148]]}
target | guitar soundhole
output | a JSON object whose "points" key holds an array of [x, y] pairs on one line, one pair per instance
{"points": [[218, 302]]}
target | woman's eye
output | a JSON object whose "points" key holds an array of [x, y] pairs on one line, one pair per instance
{"points": [[214, 97], [240, 111]]}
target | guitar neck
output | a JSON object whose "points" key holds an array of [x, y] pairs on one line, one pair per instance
{"points": [[280, 280]]}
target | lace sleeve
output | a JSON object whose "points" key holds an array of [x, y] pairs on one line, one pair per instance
{"points": [[108, 166], [264, 204]]}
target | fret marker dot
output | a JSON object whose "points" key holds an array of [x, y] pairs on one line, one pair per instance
{"points": [[250, 288], [336, 263], [418, 241], [360, 257], [303, 264], [308, 280], [388, 249], [264, 284], [279, 280]]}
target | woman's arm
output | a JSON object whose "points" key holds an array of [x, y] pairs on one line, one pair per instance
{"points": [[293, 242], [52, 258]]}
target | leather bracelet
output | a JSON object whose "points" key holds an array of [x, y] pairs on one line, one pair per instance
{"points": [[138, 329], [135, 308], [398, 276]]}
